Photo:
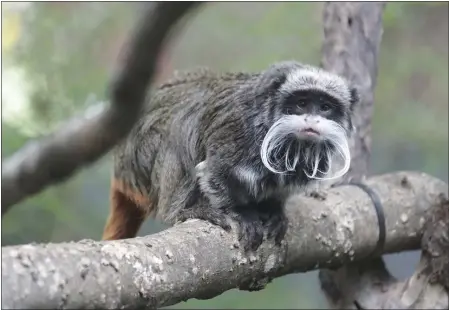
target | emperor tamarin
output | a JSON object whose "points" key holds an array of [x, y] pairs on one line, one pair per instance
{"points": [[231, 146]]}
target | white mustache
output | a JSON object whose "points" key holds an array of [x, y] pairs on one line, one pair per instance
{"points": [[329, 131]]}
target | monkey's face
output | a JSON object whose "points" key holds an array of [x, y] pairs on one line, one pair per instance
{"points": [[312, 131]]}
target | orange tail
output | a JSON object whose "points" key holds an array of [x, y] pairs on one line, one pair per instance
{"points": [[127, 213]]}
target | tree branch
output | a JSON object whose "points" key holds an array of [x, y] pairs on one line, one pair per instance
{"points": [[198, 260], [352, 36], [55, 158]]}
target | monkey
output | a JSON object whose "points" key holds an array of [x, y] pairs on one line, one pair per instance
{"points": [[232, 146]]}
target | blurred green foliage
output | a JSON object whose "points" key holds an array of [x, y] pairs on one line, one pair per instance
{"points": [[67, 50]]}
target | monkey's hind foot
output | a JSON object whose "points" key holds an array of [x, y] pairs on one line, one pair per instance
{"points": [[213, 216]]}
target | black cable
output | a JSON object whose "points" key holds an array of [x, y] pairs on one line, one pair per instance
{"points": [[379, 212]]}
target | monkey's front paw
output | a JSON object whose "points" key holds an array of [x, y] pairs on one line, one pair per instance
{"points": [[250, 230], [277, 227], [214, 216]]}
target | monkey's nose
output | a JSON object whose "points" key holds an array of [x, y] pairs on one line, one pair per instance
{"points": [[311, 120]]}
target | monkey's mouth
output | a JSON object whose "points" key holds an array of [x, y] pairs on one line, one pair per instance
{"points": [[309, 132]]}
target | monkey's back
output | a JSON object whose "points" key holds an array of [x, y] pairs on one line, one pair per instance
{"points": [[166, 141]]}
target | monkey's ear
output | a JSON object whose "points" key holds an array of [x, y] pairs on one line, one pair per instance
{"points": [[276, 81], [276, 74], [355, 98]]}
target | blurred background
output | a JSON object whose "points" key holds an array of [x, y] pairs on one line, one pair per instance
{"points": [[57, 58]]}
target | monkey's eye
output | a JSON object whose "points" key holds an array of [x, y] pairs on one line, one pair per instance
{"points": [[325, 107]]}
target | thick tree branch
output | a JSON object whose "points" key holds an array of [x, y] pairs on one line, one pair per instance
{"points": [[198, 260], [55, 158], [352, 36]]}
